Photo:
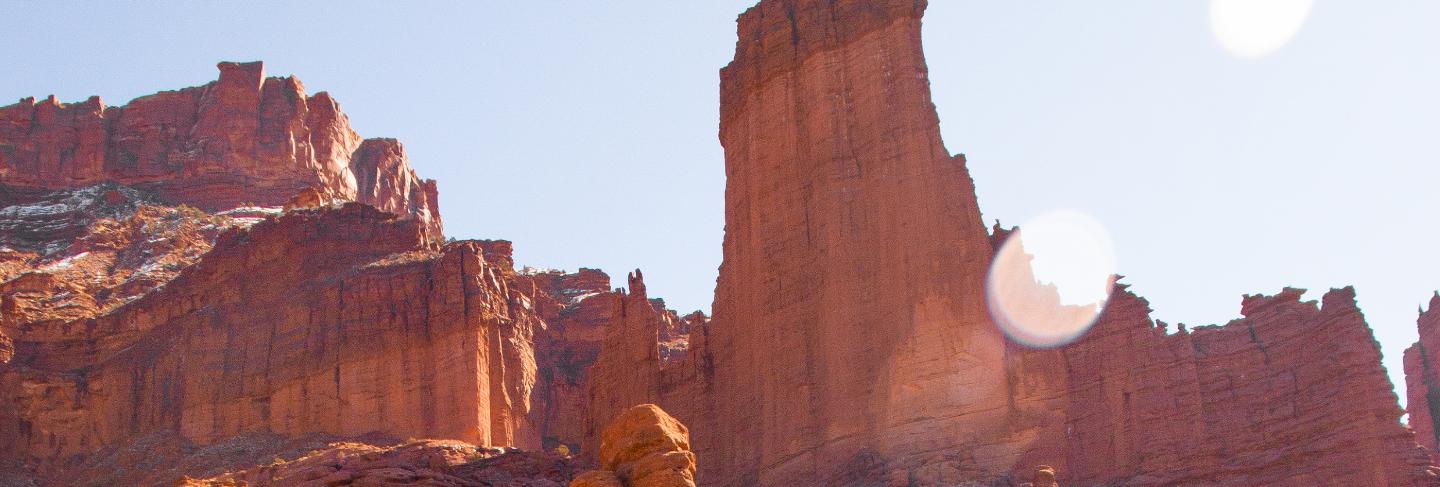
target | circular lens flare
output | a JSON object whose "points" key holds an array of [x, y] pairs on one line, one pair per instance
{"points": [[1051, 278], [1253, 29]]}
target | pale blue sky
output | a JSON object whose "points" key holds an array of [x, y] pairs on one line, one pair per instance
{"points": [[586, 131]]}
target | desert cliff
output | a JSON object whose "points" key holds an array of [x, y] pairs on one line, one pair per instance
{"points": [[226, 284]]}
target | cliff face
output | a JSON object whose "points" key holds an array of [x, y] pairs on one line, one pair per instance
{"points": [[359, 325], [851, 344], [849, 318], [1422, 377], [128, 313], [243, 140], [1292, 393]]}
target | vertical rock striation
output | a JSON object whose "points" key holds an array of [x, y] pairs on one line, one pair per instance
{"points": [[850, 336], [1292, 393], [851, 344], [344, 321], [632, 345]]}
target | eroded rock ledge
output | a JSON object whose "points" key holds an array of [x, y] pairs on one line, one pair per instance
{"points": [[243, 140]]}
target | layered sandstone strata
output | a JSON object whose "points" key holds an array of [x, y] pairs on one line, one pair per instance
{"points": [[242, 140], [344, 321]]}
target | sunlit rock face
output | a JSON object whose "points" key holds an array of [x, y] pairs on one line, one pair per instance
{"points": [[850, 336], [336, 320], [243, 140], [853, 342], [1292, 393]]}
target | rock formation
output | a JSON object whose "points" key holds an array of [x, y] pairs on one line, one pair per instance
{"points": [[643, 447], [267, 459], [851, 345], [360, 325], [1292, 393], [205, 277], [243, 140], [1044, 477], [1422, 378], [849, 319], [632, 345]]}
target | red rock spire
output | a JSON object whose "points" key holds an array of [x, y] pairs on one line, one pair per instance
{"points": [[850, 323]]}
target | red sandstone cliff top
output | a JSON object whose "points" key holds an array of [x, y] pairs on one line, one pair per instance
{"points": [[242, 140]]}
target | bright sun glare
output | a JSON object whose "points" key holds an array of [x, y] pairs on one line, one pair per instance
{"points": [[1254, 29], [1051, 278]]}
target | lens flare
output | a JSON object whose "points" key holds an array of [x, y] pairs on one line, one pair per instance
{"points": [[1257, 28], [1051, 278]]}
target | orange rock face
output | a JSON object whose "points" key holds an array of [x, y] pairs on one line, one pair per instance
{"points": [[631, 345], [142, 339], [359, 325], [240, 141], [851, 344], [1293, 393], [643, 446], [849, 318]]}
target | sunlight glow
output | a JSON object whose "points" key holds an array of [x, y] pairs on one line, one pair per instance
{"points": [[1051, 278], [1252, 29]]}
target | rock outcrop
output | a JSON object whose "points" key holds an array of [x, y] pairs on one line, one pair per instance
{"points": [[643, 446], [243, 140], [851, 344], [1422, 378], [849, 320], [143, 338], [632, 345], [267, 459], [360, 324], [1293, 393]]}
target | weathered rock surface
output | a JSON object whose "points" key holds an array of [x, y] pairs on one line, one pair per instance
{"points": [[243, 140], [1422, 378], [360, 324], [849, 318], [267, 459], [642, 446], [627, 370], [1293, 393], [142, 340], [851, 344], [1044, 477]]}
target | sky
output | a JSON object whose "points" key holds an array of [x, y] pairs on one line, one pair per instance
{"points": [[586, 132]]}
